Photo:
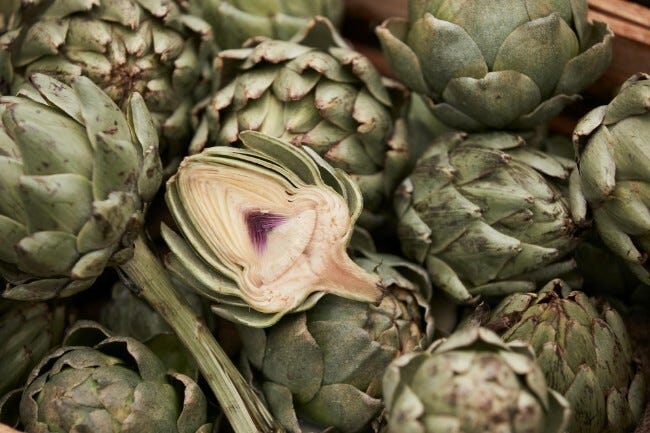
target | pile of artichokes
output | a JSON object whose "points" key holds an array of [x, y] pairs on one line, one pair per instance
{"points": [[218, 215]]}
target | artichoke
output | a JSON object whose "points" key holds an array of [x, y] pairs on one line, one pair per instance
{"points": [[75, 175], [313, 91], [235, 21], [324, 365], [484, 65], [264, 230], [482, 213], [27, 332], [583, 350], [127, 315], [612, 180], [151, 47], [471, 382], [102, 383]]}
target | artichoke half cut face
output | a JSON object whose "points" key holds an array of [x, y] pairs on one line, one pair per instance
{"points": [[265, 227]]}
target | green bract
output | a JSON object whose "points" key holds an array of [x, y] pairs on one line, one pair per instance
{"points": [[264, 230], [99, 383], [235, 21], [488, 65], [584, 351], [147, 46], [471, 382], [27, 332], [75, 176], [325, 365], [481, 212], [313, 91], [613, 176]]}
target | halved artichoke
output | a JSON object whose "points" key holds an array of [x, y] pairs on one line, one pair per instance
{"points": [[265, 229]]}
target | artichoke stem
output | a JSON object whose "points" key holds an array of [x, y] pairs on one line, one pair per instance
{"points": [[241, 406]]}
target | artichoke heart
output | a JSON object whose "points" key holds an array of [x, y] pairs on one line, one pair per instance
{"points": [[271, 237]]}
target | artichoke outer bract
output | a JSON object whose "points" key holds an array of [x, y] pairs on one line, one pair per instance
{"points": [[314, 91], [75, 174], [235, 21], [27, 332], [473, 60], [101, 383], [151, 47], [324, 366], [264, 230], [471, 382], [613, 177], [482, 214], [584, 351]]}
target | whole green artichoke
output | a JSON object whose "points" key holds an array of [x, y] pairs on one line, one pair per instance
{"points": [[493, 65], [583, 350], [471, 382], [313, 91], [235, 21], [101, 383], [27, 332], [264, 230], [75, 176], [151, 47], [324, 365], [612, 181], [482, 214]]}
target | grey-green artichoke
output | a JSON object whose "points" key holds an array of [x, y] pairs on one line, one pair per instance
{"points": [[613, 177], [127, 315], [235, 21], [482, 214], [584, 351], [27, 332], [151, 47], [101, 383], [494, 65], [325, 365], [264, 230], [75, 177], [313, 91], [471, 382]]}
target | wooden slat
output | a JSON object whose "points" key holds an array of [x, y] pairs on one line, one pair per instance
{"points": [[623, 10]]}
